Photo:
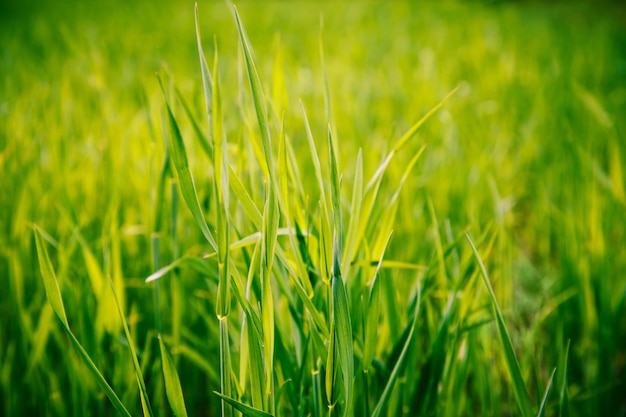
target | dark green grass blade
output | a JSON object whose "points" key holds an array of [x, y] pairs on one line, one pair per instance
{"points": [[185, 179], [564, 407], [542, 407], [519, 386], [343, 331], [145, 401], [395, 373], [54, 298], [373, 313], [246, 410], [173, 389]]}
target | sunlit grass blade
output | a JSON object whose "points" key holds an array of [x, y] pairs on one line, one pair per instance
{"points": [[258, 97], [355, 212], [544, 402], [53, 292], [246, 410], [172, 382], [519, 386], [54, 298], [207, 82], [335, 187], [195, 263], [185, 179], [271, 218], [405, 138]]}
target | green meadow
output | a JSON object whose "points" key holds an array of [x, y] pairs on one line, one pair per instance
{"points": [[312, 208]]}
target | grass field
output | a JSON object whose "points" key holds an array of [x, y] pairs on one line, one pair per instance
{"points": [[351, 208]]}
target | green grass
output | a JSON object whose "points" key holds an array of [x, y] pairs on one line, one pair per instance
{"points": [[314, 209]]}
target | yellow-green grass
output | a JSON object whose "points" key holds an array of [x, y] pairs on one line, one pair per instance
{"points": [[352, 209]]}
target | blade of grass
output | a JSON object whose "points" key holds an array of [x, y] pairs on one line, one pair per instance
{"points": [[395, 373], [405, 138], [335, 187], [53, 294], [355, 212], [564, 406], [258, 97], [343, 331], [185, 179], [542, 407], [145, 401], [172, 382], [519, 386], [246, 410]]}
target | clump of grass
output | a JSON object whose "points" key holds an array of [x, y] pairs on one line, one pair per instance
{"points": [[316, 268]]}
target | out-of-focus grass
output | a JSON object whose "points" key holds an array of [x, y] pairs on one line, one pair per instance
{"points": [[528, 155]]}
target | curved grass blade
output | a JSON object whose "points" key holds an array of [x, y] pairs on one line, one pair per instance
{"points": [[173, 389], [519, 386], [51, 284], [564, 407], [355, 212], [258, 97], [542, 407], [246, 410], [145, 402], [335, 187], [405, 138], [343, 331], [54, 298], [185, 179], [395, 373], [373, 312], [207, 82]]}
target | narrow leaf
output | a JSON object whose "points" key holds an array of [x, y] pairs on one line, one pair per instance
{"points": [[519, 386], [173, 389], [185, 179], [246, 410]]}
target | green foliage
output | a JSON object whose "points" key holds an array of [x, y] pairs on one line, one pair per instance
{"points": [[298, 153]]}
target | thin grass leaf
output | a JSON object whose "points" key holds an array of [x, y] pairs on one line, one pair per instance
{"points": [[207, 82], [51, 284], [355, 211], [258, 97], [542, 407], [519, 386], [395, 373], [54, 298], [343, 332], [328, 107], [246, 410], [564, 406], [405, 138], [372, 313], [271, 217], [172, 382], [185, 179], [131, 347], [335, 187]]}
